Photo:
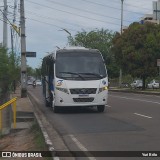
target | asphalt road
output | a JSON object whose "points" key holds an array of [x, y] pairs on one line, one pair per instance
{"points": [[129, 123]]}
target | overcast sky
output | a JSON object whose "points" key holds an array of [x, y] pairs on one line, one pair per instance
{"points": [[45, 20]]}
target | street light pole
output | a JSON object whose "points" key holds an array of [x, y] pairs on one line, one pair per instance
{"points": [[120, 72], [70, 35], [5, 29], [122, 15]]}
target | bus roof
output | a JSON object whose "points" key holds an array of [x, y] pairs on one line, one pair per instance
{"points": [[52, 55], [76, 49]]}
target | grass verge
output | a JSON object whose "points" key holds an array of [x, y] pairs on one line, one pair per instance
{"points": [[39, 140]]}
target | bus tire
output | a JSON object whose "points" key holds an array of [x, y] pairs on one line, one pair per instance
{"points": [[56, 109], [47, 103], [101, 108]]}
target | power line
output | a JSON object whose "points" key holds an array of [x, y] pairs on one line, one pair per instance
{"points": [[108, 6], [7, 20], [38, 15], [59, 27], [51, 18], [127, 4], [86, 10], [3, 21], [137, 6], [5, 17], [72, 13]]}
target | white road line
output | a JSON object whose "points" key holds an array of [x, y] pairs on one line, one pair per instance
{"points": [[142, 115], [108, 106], [136, 99], [81, 147]]}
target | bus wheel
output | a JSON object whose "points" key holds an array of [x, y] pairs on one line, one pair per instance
{"points": [[56, 109], [47, 103], [101, 108]]}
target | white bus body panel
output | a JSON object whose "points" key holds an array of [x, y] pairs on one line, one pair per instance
{"points": [[72, 99]]}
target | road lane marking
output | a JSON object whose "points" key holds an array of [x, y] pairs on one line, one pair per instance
{"points": [[108, 106], [142, 115], [81, 147], [136, 99]]}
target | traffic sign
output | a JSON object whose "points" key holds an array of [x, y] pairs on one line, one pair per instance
{"points": [[158, 62], [30, 54]]}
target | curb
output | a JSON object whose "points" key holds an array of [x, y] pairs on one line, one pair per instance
{"points": [[136, 92], [45, 134], [40, 117]]}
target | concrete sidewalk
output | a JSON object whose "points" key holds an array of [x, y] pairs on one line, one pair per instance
{"points": [[22, 139], [24, 111]]}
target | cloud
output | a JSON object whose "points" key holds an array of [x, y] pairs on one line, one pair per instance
{"points": [[45, 19]]}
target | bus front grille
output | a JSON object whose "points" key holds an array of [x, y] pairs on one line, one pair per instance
{"points": [[83, 99], [83, 90]]}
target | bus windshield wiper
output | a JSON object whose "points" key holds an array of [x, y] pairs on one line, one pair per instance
{"points": [[94, 74], [74, 74]]}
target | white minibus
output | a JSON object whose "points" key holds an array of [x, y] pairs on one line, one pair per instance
{"points": [[75, 76]]}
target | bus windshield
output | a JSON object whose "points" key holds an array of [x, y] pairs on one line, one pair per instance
{"points": [[84, 65]]}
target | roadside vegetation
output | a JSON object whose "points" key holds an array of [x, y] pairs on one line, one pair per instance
{"points": [[9, 69], [135, 51], [30, 139], [36, 73], [101, 40], [38, 140]]}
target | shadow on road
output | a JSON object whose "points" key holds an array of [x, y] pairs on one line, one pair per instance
{"points": [[78, 110]]}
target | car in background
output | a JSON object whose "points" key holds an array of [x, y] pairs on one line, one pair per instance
{"points": [[29, 82], [154, 84], [137, 84], [38, 82]]}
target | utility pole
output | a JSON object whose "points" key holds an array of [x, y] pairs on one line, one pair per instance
{"points": [[5, 31], [23, 52], [120, 72], [12, 40], [14, 12], [12, 30]]}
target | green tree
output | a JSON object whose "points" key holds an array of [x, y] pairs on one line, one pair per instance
{"points": [[4, 75], [30, 71], [138, 49], [14, 66], [97, 39], [9, 69], [36, 73]]}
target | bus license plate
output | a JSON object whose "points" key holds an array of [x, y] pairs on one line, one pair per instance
{"points": [[83, 95]]}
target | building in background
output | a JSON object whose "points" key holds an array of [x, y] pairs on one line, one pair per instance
{"points": [[124, 28], [152, 18], [155, 17], [148, 18], [156, 10]]}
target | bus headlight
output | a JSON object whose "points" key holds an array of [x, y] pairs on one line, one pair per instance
{"points": [[65, 90], [103, 89]]}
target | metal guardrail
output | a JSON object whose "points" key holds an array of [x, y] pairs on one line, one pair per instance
{"points": [[12, 101]]}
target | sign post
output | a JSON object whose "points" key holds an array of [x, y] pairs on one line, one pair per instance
{"points": [[158, 64]]}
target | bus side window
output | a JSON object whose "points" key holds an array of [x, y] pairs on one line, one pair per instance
{"points": [[51, 75]]}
